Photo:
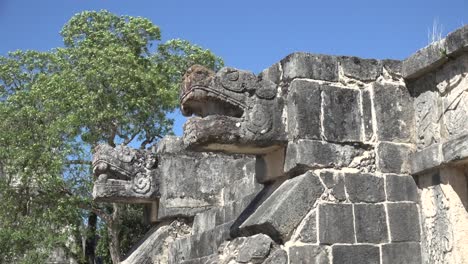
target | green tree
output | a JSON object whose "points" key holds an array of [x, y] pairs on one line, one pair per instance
{"points": [[114, 81]]}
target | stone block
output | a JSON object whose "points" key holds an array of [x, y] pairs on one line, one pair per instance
{"points": [[307, 230], [309, 254], [231, 211], [370, 223], [393, 158], [148, 250], [183, 194], [252, 205], [335, 223], [303, 105], [456, 150], [285, 208], [360, 69], [401, 188], [272, 73], [457, 40], [454, 101], [303, 155], [279, 256], [428, 110], [334, 181], [237, 189], [180, 250], [426, 159], [341, 114], [403, 221], [255, 249], [269, 167], [393, 112], [367, 115], [310, 66], [392, 66], [363, 187], [355, 254], [199, 245], [424, 60], [401, 253], [204, 221]]}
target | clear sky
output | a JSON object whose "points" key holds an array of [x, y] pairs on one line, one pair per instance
{"points": [[251, 35]]}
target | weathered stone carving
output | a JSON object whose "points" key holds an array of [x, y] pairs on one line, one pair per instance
{"points": [[335, 140], [321, 149], [125, 175], [236, 111]]}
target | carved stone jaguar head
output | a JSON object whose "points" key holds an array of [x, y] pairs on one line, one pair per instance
{"points": [[235, 111], [125, 175]]}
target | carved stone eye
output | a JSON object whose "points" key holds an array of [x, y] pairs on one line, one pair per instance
{"points": [[232, 75], [266, 90], [230, 80]]}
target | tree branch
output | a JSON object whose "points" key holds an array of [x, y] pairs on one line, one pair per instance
{"points": [[130, 139], [89, 207], [78, 162], [103, 215], [111, 139]]}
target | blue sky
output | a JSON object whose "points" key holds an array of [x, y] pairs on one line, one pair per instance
{"points": [[251, 35]]}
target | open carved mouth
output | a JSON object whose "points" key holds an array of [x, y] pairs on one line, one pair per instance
{"points": [[104, 170], [204, 102]]}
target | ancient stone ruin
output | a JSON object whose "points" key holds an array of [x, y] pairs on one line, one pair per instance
{"points": [[318, 159]]}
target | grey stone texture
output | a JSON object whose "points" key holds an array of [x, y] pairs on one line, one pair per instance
{"points": [[363, 187], [393, 158], [401, 253], [193, 182], [401, 188], [456, 150], [307, 230], [334, 181], [426, 159], [309, 254], [361, 69], [428, 112], [200, 245], [155, 243], [304, 108], [278, 256], [424, 60], [335, 223], [355, 254], [367, 114], [255, 249], [311, 154], [273, 73], [310, 66], [283, 210], [371, 223], [393, 67], [457, 41], [404, 222], [434, 55], [394, 112], [341, 114]]}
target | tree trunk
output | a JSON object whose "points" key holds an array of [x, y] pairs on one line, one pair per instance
{"points": [[90, 246], [113, 228]]}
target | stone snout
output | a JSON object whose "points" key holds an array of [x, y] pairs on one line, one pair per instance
{"points": [[125, 175]]}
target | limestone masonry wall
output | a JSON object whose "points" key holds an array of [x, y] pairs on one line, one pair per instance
{"points": [[372, 169]]}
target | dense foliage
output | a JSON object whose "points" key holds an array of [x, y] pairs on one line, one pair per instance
{"points": [[114, 81]]}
